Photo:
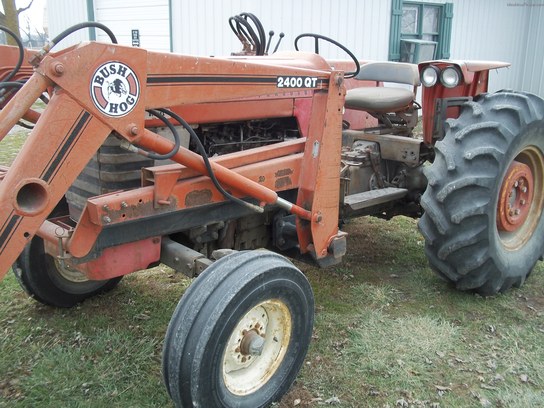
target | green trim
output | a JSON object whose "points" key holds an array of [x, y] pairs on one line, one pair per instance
{"points": [[394, 34], [171, 25], [444, 29], [445, 32], [90, 17]]}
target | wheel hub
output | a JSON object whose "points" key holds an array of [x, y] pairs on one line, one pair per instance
{"points": [[70, 274], [256, 347], [515, 197], [252, 343]]}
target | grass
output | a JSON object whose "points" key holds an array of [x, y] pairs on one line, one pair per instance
{"points": [[11, 144], [388, 333], [402, 337]]}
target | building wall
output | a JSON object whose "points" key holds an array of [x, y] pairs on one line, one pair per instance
{"points": [[151, 18], [482, 29], [532, 76], [62, 14], [121, 16], [363, 26], [492, 30]]}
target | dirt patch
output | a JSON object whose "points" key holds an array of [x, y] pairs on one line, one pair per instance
{"points": [[298, 396]]}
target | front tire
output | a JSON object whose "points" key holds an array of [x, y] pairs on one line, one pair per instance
{"points": [[239, 334], [483, 223]]}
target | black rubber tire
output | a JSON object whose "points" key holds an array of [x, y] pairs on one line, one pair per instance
{"points": [[38, 274], [462, 241], [207, 315]]}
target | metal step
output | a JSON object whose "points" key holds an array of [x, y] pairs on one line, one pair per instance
{"points": [[374, 197]]}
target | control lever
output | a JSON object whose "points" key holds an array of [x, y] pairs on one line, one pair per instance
{"points": [[279, 41], [270, 35]]}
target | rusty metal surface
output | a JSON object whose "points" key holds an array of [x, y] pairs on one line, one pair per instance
{"points": [[515, 197], [76, 122], [392, 147], [10, 55], [67, 150], [3, 172], [319, 182], [230, 161], [474, 82], [122, 259]]}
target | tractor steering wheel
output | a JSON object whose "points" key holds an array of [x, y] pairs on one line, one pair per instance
{"points": [[318, 37]]}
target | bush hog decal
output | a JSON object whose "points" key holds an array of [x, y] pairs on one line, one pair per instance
{"points": [[115, 89]]}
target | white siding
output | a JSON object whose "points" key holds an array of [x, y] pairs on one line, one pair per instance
{"points": [[62, 14], [491, 30], [201, 27], [532, 78], [481, 30], [123, 16]]}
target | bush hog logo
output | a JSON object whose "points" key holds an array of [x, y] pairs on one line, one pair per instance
{"points": [[115, 89]]}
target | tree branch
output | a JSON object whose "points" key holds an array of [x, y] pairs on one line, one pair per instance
{"points": [[19, 11]]}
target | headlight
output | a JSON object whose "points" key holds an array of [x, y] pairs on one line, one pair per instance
{"points": [[450, 77], [429, 76]]}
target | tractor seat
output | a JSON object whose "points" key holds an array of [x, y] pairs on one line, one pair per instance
{"points": [[379, 99], [384, 99]]}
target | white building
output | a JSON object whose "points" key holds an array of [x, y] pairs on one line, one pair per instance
{"points": [[504, 30]]}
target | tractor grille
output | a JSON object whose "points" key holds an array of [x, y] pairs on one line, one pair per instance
{"points": [[111, 169]]}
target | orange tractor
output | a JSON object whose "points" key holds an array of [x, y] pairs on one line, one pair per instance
{"points": [[199, 163]]}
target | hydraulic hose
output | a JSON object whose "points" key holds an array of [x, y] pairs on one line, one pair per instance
{"points": [[209, 169], [77, 27], [260, 31], [5, 85], [242, 23], [21, 53], [242, 27], [177, 139], [36, 59]]}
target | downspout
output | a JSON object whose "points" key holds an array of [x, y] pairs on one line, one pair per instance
{"points": [[90, 17], [171, 25]]}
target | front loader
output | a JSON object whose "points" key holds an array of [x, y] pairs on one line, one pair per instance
{"points": [[200, 163]]}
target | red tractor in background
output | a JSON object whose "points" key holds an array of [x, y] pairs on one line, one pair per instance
{"points": [[143, 157]]}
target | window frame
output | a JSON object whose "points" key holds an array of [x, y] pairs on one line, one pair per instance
{"points": [[443, 36]]}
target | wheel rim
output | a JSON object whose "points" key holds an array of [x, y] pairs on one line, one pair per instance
{"points": [[256, 347], [521, 198], [71, 275]]}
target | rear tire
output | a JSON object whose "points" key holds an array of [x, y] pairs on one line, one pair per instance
{"points": [[483, 230], [46, 280], [246, 301], [43, 278]]}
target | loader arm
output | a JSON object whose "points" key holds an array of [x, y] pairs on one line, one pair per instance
{"points": [[104, 88]]}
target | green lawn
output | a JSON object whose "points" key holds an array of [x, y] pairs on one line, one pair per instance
{"points": [[388, 334]]}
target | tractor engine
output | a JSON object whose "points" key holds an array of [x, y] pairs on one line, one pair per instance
{"points": [[222, 138]]}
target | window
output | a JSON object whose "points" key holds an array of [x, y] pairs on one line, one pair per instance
{"points": [[420, 31]]}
